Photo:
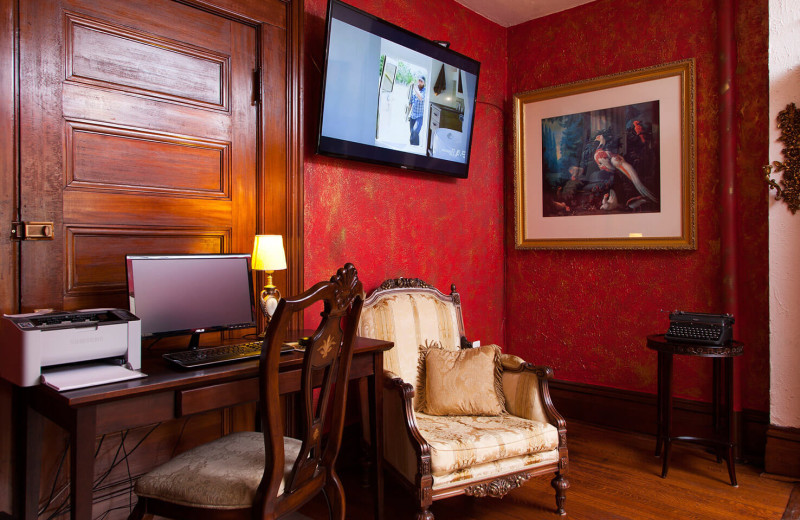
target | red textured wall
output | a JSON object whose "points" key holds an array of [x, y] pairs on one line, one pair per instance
{"points": [[587, 312], [392, 223]]}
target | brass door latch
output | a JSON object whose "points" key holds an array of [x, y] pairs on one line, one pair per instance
{"points": [[32, 230]]}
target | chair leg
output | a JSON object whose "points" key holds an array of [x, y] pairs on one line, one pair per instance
{"points": [[560, 484], [334, 496], [424, 514], [328, 504], [138, 512]]}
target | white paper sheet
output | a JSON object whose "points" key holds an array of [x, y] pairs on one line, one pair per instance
{"points": [[88, 375]]}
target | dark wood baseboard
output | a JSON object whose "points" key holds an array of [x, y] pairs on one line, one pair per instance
{"points": [[783, 451], [636, 412]]}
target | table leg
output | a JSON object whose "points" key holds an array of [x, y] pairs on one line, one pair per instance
{"points": [[82, 436], [717, 394], [659, 404], [376, 428], [729, 408], [27, 456], [666, 403]]}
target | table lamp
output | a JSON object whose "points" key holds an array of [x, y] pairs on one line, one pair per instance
{"points": [[269, 256]]}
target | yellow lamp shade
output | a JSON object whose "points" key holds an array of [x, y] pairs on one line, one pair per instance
{"points": [[268, 253]]}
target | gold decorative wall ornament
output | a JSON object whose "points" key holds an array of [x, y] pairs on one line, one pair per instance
{"points": [[789, 187]]}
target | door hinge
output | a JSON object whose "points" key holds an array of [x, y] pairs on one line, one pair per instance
{"points": [[257, 86], [31, 230]]}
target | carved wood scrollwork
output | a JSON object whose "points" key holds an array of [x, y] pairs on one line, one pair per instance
{"points": [[404, 283], [498, 488], [347, 285], [789, 187]]}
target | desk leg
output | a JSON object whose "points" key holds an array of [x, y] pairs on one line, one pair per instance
{"points": [[27, 456], [666, 405], [82, 439], [376, 429], [365, 443]]}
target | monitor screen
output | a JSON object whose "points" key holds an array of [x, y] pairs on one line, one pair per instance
{"points": [[189, 294], [392, 97]]}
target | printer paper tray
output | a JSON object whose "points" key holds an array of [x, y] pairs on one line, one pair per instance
{"points": [[64, 379]]}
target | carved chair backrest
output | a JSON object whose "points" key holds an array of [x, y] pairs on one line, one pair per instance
{"points": [[321, 405], [412, 314]]}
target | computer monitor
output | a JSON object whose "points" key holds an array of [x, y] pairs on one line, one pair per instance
{"points": [[190, 294]]}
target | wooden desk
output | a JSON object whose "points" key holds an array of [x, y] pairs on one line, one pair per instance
{"points": [[722, 397], [167, 393]]}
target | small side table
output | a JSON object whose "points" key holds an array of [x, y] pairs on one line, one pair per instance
{"points": [[722, 356]]}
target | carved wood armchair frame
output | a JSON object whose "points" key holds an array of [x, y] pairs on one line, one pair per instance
{"points": [[399, 394]]}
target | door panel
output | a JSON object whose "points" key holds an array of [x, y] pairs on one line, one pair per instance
{"points": [[141, 137], [198, 167], [120, 58]]}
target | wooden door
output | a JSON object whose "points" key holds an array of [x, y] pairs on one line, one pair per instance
{"points": [[131, 125], [138, 131]]}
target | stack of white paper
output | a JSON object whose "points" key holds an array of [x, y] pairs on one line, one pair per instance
{"points": [[87, 375]]}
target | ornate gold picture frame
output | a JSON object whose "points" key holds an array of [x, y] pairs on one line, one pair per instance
{"points": [[607, 163]]}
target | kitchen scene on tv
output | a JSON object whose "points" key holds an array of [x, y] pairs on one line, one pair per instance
{"points": [[422, 107], [389, 96]]}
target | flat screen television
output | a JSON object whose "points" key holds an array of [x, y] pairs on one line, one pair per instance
{"points": [[392, 97], [190, 294]]}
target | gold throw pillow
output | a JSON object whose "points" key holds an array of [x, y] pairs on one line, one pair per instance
{"points": [[463, 382]]}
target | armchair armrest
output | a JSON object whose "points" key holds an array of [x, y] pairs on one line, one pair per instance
{"points": [[405, 448], [527, 391]]}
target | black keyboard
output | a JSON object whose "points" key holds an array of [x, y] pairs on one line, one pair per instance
{"points": [[221, 354], [215, 355]]}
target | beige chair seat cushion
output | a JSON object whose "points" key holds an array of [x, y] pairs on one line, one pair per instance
{"points": [[222, 474], [458, 442], [490, 470]]}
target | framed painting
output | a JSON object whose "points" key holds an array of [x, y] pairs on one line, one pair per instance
{"points": [[607, 163]]}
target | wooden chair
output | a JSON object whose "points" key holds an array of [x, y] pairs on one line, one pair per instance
{"points": [[250, 475], [439, 452]]}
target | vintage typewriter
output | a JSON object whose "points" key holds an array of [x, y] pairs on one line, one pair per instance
{"points": [[696, 327]]}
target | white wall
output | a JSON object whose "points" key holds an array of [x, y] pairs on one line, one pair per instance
{"points": [[784, 227]]}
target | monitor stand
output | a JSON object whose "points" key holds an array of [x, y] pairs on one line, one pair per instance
{"points": [[194, 341]]}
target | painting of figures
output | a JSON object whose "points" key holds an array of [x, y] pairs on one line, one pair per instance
{"points": [[607, 162], [602, 162]]}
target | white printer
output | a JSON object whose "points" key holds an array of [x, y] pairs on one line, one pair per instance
{"points": [[58, 348]]}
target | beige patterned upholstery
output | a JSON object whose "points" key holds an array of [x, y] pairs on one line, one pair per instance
{"points": [[222, 474], [460, 382], [458, 442], [410, 320], [452, 454]]}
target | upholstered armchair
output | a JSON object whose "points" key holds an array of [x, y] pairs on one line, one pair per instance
{"points": [[457, 419]]}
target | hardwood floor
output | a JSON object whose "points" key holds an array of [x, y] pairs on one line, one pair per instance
{"points": [[613, 476]]}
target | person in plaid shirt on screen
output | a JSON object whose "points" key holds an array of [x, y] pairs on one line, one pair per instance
{"points": [[417, 105]]}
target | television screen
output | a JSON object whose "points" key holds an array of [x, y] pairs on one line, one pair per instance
{"points": [[392, 97], [189, 294]]}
